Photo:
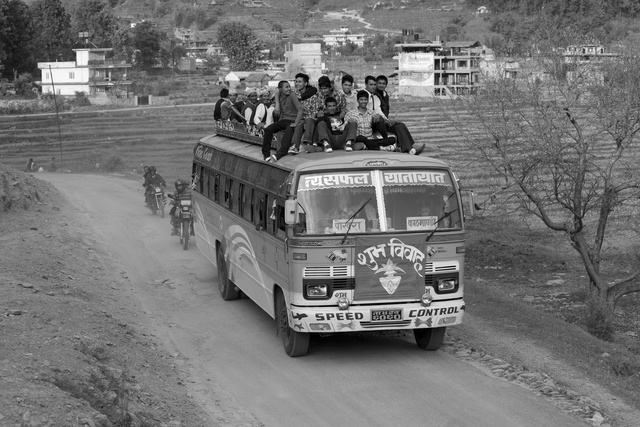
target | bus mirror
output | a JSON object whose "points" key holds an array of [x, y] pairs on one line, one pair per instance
{"points": [[290, 212], [473, 206]]}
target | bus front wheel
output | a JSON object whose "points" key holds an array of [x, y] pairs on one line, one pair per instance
{"points": [[295, 343], [227, 288], [429, 339]]}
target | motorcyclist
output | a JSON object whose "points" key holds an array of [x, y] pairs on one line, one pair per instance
{"points": [[145, 174], [182, 193], [153, 179]]}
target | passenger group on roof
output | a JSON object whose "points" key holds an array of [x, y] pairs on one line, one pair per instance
{"points": [[319, 119]]}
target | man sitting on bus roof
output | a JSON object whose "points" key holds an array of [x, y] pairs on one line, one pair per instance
{"points": [[333, 131], [289, 111]]}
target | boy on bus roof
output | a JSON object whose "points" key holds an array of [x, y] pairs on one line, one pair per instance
{"points": [[349, 95], [405, 140], [334, 132], [311, 103], [289, 111]]}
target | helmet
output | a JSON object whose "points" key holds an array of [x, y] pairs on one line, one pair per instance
{"points": [[152, 169], [180, 185]]}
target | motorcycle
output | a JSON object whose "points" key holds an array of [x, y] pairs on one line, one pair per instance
{"points": [[157, 200], [184, 219]]}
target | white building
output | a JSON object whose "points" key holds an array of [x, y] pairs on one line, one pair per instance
{"points": [[338, 38], [305, 58], [90, 73]]}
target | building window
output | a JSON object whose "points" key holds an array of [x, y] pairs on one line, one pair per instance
{"points": [[46, 76], [72, 75]]}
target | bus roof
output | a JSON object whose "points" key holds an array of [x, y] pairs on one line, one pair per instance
{"points": [[323, 161]]}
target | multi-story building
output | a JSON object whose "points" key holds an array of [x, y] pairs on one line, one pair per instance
{"points": [[91, 73], [437, 69]]}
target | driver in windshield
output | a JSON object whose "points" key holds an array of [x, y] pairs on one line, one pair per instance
{"points": [[347, 205]]}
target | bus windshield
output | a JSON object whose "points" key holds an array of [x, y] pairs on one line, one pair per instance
{"points": [[376, 201]]}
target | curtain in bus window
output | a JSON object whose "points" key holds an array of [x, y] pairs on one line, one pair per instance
{"points": [[390, 267]]}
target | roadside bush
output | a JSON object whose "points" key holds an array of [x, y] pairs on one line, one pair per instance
{"points": [[80, 100], [112, 164], [96, 161]]}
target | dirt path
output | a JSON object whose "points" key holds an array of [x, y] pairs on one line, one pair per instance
{"points": [[233, 363]]}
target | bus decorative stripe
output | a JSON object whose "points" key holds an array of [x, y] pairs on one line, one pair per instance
{"points": [[335, 180], [389, 268], [391, 178]]}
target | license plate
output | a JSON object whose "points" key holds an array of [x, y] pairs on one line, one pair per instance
{"points": [[388, 315]]}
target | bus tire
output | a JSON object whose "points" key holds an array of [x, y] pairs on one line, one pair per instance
{"points": [[429, 339], [295, 343], [227, 288]]}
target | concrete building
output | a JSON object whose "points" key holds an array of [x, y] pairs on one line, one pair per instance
{"points": [[90, 73], [342, 36], [305, 58], [437, 69]]}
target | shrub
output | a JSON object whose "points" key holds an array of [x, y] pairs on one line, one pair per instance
{"points": [[112, 164]]}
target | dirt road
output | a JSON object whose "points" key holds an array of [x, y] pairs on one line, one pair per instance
{"points": [[236, 362]]}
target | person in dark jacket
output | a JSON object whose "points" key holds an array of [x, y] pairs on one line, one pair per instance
{"points": [[152, 180]]}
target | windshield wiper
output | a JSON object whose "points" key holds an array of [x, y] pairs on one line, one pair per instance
{"points": [[443, 217], [351, 218]]}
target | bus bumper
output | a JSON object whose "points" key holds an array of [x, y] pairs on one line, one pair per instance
{"points": [[376, 317]]}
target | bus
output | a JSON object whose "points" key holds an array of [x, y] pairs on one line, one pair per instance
{"points": [[332, 242]]}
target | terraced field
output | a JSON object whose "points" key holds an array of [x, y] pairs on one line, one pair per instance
{"points": [[165, 137]]}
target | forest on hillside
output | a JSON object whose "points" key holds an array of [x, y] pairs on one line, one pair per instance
{"points": [[520, 24]]}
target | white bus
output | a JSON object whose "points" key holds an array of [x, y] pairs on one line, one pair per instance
{"points": [[332, 242]]}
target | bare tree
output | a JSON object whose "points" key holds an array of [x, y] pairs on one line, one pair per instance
{"points": [[563, 136]]}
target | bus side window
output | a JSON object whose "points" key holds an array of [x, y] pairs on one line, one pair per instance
{"points": [[259, 206], [270, 217], [201, 173], [281, 226], [206, 184], [194, 175], [247, 203], [234, 198], [216, 187], [227, 191]]}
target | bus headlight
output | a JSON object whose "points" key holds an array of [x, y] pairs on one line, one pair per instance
{"points": [[316, 290], [449, 284]]}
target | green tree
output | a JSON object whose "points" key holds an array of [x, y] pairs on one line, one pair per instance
{"points": [[564, 141], [147, 42], [96, 18], [16, 34], [240, 44], [53, 39], [123, 44]]}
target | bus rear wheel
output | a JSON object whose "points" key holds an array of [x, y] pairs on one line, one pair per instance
{"points": [[429, 339], [295, 343], [227, 288]]}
